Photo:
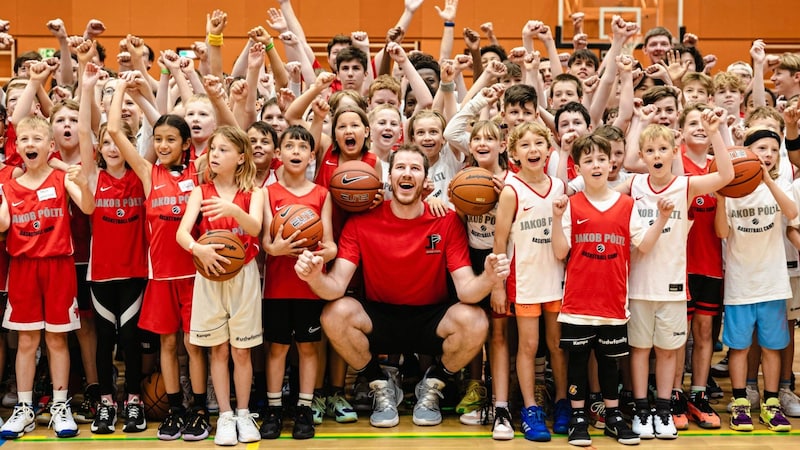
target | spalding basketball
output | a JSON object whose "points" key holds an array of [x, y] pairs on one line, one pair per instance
{"points": [[154, 397], [298, 217], [234, 251], [472, 191], [747, 172], [354, 186]]}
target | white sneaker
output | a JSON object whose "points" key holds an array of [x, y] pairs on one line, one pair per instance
{"points": [[503, 429], [61, 420], [789, 402], [226, 429], [642, 424], [664, 426], [247, 428], [752, 396], [21, 422]]}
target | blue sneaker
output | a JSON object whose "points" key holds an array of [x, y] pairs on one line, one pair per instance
{"points": [[533, 424], [562, 416]]}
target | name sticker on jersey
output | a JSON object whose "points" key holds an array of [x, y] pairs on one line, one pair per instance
{"points": [[676, 287], [46, 193], [186, 185]]}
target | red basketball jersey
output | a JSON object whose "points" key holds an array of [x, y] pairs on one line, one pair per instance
{"points": [[280, 279], [5, 176], [330, 162], [242, 200], [165, 207], [703, 247], [119, 248], [39, 218]]}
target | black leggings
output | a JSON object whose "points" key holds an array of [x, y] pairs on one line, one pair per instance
{"points": [[578, 375], [116, 305]]}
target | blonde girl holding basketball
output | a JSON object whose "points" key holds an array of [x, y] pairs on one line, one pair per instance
{"points": [[226, 315]]}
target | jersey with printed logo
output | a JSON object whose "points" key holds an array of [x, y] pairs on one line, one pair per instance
{"points": [[119, 248], [660, 274], [537, 276], [165, 207], [80, 224], [280, 279], [755, 261], [703, 247], [405, 261], [39, 218], [6, 174], [442, 172], [242, 200]]}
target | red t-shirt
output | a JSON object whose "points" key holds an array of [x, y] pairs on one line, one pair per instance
{"points": [[242, 200], [5, 176], [703, 247], [12, 156], [405, 261]]}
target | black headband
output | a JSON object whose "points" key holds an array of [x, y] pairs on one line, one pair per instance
{"points": [[761, 134]]}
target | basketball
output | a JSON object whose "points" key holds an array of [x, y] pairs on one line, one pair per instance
{"points": [[234, 250], [298, 217], [154, 397], [472, 191], [354, 186], [747, 170]]}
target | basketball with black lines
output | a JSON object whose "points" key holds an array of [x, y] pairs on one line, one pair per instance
{"points": [[747, 172], [354, 186], [154, 397], [233, 250], [472, 192], [294, 218]]}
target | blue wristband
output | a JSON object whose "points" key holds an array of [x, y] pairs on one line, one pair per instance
{"points": [[449, 24]]}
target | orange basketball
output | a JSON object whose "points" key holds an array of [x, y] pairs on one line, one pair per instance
{"points": [[472, 191], [354, 186], [747, 170], [298, 217], [234, 250], [154, 397]]}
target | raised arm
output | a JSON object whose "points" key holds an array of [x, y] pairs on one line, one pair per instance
{"points": [[215, 24], [216, 94], [448, 15], [424, 98], [141, 166], [759, 55], [59, 31], [85, 134]]}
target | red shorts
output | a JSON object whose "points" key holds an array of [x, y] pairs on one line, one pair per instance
{"points": [[42, 294], [4, 260], [167, 306]]}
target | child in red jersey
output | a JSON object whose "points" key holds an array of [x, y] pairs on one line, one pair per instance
{"points": [[291, 309], [42, 282], [226, 314]]}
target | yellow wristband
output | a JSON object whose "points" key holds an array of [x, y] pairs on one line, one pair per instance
{"points": [[215, 40], [165, 71]]}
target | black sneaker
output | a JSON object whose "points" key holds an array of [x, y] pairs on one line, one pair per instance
{"points": [[105, 418], [197, 425], [303, 423], [273, 422], [86, 411], [617, 428], [626, 404], [134, 417], [712, 388], [172, 425], [578, 433]]}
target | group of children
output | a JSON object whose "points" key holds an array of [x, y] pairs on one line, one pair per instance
{"points": [[607, 210]]}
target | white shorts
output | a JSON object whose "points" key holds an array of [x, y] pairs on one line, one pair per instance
{"points": [[228, 310], [793, 302], [659, 324]]}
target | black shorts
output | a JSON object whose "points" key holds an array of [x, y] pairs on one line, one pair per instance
{"points": [[605, 340], [284, 319], [477, 257], [84, 295], [404, 328], [706, 293]]}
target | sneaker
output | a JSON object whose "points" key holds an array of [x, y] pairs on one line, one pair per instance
{"points": [[642, 423], [597, 414], [21, 422], [246, 427], [503, 428], [273, 423], [386, 396], [43, 410], [561, 416], [720, 369], [664, 425], [172, 426], [318, 409], [626, 404], [212, 405], [713, 390], [579, 431], [105, 419], [542, 396], [474, 398], [197, 426], [701, 412], [617, 428], [789, 402], [303, 423], [533, 425], [679, 405], [482, 416], [772, 416], [10, 398], [740, 415], [337, 407], [226, 429], [752, 396], [135, 421], [428, 392], [86, 410], [361, 397], [61, 420]]}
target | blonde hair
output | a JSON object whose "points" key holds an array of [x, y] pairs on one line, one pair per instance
{"points": [[525, 127], [35, 123], [488, 128], [245, 175], [774, 171], [655, 131]]}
